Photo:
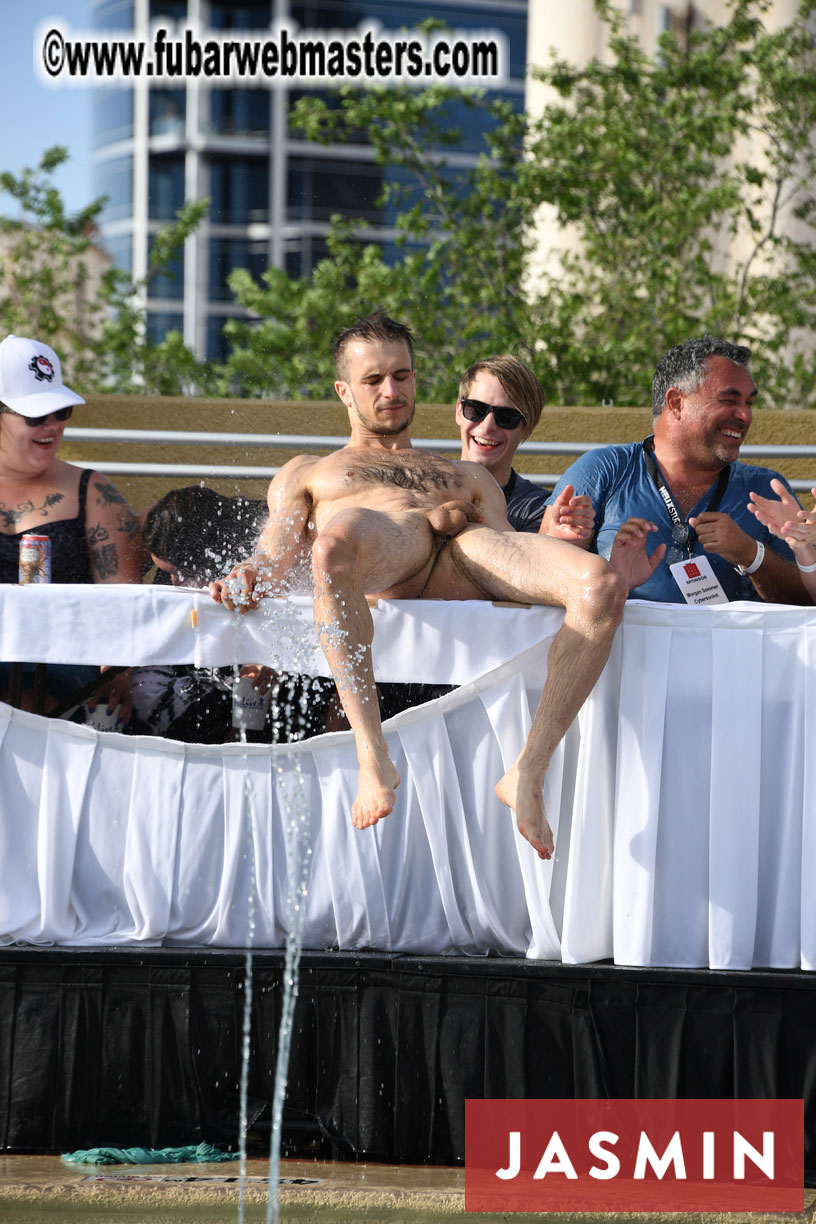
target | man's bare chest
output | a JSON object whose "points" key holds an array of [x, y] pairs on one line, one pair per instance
{"points": [[415, 477]]}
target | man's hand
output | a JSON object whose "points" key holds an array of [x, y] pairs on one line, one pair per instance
{"points": [[779, 513], [571, 517], [718, 533], [116, 693], [243, 588], [629, 556], [262, 677], [786, 518]]}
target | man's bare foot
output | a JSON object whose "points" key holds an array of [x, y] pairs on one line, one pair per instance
{"points": [[376, 783], [525, 797]]}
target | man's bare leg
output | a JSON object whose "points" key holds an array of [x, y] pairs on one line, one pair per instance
{"points": [[574, 663], [359, 551], [538, 569]]}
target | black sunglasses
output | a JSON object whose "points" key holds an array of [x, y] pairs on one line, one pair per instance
{"points": [[505, 418], [61, 414]]}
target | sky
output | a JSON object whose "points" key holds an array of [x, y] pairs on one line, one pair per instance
{"points": [[34, 116]]}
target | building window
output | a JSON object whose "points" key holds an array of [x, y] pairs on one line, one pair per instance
{"points": [[473, 123], [167, 111], [246, 15], [243, 112], [159, 322], [227, 254], [169, 281], [317, 189], [113, 116], [165, 187], [114, 179], [168, 10], [113, 15], [121, 252], [218, 346], [303, 255], [239, 190]]}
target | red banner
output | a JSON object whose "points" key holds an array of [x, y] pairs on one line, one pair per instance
{"points": [[642, 1155]]}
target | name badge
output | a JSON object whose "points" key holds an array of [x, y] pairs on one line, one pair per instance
{"points": [[697, 581]]}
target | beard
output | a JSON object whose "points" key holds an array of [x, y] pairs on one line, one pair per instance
{"points": [[385, 429]]}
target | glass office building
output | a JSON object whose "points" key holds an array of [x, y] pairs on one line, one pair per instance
{"points": [[272, 192]]}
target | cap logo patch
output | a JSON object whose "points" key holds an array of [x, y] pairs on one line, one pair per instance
{"points": [[42, 369]]}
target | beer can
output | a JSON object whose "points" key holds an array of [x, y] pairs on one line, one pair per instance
{"points": [[35, 559], [249, 707]]}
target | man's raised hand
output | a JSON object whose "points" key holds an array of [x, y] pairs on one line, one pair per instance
{"points": [[629, 556], [571, 517]]}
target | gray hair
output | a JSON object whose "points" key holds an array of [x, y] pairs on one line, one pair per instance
{"points": [[686, 365]]}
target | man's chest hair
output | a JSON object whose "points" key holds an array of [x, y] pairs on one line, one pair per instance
{"points": [[417, 471]]}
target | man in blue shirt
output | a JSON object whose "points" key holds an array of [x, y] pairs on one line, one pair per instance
{"points": [[687, 485]]}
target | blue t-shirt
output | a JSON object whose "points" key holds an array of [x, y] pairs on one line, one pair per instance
{"points": [[619, 483], [526, 502]]}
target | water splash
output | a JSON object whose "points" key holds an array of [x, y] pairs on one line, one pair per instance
{"points": [[289, 721], [296, 899], [246, 1028]]}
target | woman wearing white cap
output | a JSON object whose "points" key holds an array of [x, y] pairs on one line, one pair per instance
{"points": [[94, 533]]}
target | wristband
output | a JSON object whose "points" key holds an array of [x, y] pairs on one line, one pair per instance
{"points": [[755, 564], [807, 569]]}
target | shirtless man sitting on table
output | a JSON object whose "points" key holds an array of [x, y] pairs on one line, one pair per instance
{"points": [[381, 518]]}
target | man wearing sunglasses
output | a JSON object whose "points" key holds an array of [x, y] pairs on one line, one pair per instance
{"points": [[381, 518], [499, 406], [685, 485]]}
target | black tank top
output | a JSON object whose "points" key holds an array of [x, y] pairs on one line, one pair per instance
{"points": [[70, 561]]}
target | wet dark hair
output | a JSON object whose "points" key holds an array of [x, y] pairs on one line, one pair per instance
{"points": [[201, 532], [376, 326], [685, 366]]}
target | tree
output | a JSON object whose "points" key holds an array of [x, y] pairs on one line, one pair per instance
{"points": [[56, 284], [684, 180], [464, 239]]}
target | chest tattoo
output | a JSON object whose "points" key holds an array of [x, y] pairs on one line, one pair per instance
{"points": [[10, 516]]}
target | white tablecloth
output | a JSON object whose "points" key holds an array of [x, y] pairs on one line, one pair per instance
{"points": [[682, 798]]}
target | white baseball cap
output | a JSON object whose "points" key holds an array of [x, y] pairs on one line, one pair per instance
{"points": [[31, 378]]}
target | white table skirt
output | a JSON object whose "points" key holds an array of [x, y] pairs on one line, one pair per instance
{"points": [[682, 799]]}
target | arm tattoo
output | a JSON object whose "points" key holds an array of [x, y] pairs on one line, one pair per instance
{"points": [[129, 524], [105, 561], [97, 534], [108, 495]]}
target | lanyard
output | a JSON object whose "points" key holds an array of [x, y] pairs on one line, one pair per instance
{"points": [[682, 533]]}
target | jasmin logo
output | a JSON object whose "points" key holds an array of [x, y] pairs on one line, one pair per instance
{"points": [[634, 1155], [42, 368]]}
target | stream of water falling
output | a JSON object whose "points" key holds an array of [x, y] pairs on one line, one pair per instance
{"points": [[292, 802]]}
